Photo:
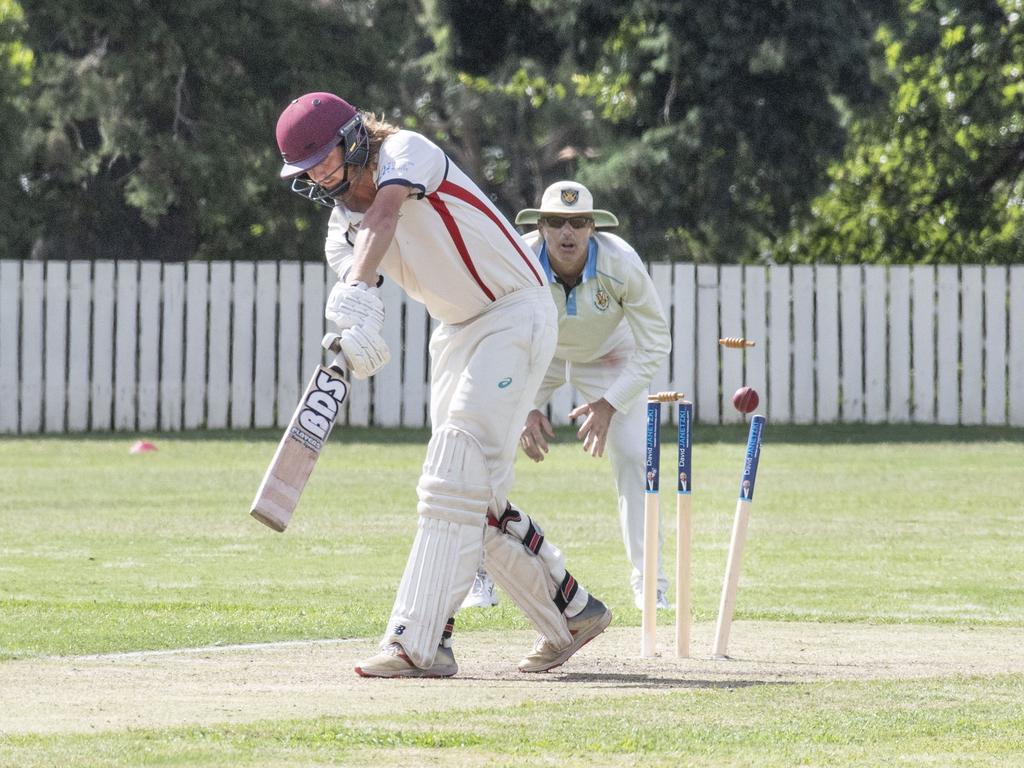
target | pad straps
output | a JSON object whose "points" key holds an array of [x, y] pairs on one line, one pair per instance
{"points": [[533, 539], [566, 592]]}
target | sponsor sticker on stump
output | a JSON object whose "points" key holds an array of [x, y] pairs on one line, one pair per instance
{"points": [[685, 477], [653, 456], [750, 461]]}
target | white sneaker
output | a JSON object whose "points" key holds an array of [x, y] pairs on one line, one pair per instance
{"points": [[660, 602], [584, 627], [392, 662], [483, 593]]}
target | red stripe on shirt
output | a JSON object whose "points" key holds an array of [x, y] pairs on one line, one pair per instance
{"points": [[460, 244], [466, 196]]}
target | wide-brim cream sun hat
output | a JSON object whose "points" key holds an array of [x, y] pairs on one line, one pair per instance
{"points": [[567, 198]]}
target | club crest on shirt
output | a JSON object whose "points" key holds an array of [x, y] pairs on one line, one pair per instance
{"points": [[601, 299], [570, 196]]}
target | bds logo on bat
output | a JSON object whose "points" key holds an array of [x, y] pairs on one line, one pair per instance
{"points": [[319, 411]]}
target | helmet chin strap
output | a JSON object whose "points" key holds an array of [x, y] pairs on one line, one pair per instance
{"points": [[346, 183], [342, 186], [325, 196]]}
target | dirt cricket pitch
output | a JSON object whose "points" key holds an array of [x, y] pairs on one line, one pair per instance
{"points": [[236, 684]]}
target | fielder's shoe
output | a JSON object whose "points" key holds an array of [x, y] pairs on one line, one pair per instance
{"points": [[584, 627], [660, 603], [482, 594], [392, 662]]}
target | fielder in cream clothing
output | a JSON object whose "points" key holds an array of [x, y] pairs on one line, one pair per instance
{"points": [[612, 337], [399, 206]]}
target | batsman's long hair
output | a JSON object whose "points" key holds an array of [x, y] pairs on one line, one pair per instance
{"points": [[377, 129]]}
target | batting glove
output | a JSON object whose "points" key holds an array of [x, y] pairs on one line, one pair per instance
{"points": [[355, 305], [365, 350]]}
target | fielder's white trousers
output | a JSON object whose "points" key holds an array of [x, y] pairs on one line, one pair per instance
{"points": [[625, 447]]}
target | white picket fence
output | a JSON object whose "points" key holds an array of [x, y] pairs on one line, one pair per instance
{"points": [[142, 346]]}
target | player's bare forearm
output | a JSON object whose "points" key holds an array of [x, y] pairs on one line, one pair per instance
{"points": [[376, 233], [533, 437], [594, 431]]}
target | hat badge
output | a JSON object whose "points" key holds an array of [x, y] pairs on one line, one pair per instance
{"points": [[570, 196]]}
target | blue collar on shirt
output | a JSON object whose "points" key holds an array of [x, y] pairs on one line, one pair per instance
{"points": [[589, 272]]}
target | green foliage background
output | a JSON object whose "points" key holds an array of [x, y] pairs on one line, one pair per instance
{"points": [[837, 131]]}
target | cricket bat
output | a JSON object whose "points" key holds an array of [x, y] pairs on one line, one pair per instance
{"points": [[300, 447]]}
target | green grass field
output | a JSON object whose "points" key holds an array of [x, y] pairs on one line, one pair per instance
{"points": [[102, 551]]}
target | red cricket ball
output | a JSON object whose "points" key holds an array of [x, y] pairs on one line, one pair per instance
{"points": [[745, 400]]}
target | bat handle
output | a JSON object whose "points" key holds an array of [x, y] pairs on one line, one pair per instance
{"points": [[332, 343]]}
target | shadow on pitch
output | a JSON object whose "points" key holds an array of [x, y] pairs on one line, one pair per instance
{"points": [[648, 682]]}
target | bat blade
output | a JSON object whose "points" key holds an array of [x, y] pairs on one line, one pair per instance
{"points": [[299, 449]]}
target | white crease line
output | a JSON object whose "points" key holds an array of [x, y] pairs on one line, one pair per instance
{"points": [[210, 649]]}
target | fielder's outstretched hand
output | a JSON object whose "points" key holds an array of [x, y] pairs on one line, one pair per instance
{"points": [[594, 431], [532, 439]]}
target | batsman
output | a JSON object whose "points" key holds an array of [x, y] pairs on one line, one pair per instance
{"points": [[402, 209]]}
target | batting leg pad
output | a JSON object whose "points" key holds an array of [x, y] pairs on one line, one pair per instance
{"points": [[453, 497], [520, 526], [526, 580]]}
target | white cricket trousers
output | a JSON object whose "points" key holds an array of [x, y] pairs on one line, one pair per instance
{"points": [[485, 372], [625, 447], [484, 375]]}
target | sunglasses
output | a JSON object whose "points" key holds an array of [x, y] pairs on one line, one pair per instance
{"points": [[557, 222]]}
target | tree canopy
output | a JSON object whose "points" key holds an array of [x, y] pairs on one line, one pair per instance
{"points": [[937, 176], [878, 130], [150, 125]]}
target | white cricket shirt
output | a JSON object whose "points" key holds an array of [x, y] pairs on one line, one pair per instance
{"points": [[615, 309], [453, 250]]}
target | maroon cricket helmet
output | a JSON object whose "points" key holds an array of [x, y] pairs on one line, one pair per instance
{"points": [[314, 124]]}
